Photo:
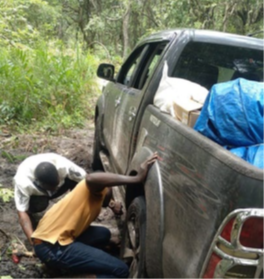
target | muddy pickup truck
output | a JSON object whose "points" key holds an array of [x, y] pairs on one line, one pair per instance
{"points": [[200, 212]]}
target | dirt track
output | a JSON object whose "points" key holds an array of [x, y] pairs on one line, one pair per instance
{"points": [[76, 145]]}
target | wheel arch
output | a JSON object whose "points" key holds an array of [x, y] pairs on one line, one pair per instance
{"points": [[99, 117], [96, 113], [153, 193], [99, 107]]}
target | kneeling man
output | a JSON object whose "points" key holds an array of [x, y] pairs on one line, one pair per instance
{"points": [[64, 238]]}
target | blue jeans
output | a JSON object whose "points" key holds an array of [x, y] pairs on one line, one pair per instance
{"points": [[83, 255]]}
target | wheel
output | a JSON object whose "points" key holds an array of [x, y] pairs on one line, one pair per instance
{"points": [[133, 240], [97, 164]]}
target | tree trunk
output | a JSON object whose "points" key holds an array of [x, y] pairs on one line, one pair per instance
{"points": [[126, 29]]}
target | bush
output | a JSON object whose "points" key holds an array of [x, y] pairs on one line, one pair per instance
{"points": [[49, 85]]}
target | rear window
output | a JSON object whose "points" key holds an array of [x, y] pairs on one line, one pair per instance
{"points": [[208, 64]]}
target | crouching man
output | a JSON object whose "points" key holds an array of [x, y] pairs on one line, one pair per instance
{"points": [[44, 177], [64, 238]]}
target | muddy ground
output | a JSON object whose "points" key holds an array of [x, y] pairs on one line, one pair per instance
{"points": [[75, 145]]}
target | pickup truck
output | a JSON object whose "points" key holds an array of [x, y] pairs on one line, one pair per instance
{"points": [[200, 212]]}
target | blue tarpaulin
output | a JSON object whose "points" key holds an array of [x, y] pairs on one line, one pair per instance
{"points": [[252, 154], [232, 114]]}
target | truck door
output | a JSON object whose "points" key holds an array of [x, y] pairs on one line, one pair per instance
{"points": [[123, 100]]}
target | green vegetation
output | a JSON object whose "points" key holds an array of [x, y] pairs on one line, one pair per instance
{"points": [[45, 85], [44, 82], [49, 50], [12, 158], [6, 194]]}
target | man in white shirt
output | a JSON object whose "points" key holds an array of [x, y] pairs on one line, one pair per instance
{"points": [[40, 178]]}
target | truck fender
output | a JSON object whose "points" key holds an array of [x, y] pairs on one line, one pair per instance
{"points": [[99, 117], [155, 212], [99, 107]]}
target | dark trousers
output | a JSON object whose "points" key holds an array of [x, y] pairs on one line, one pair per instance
{"points": [[84, 255]]}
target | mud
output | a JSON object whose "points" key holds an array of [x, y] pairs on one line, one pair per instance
{"points": [[75, 145]]}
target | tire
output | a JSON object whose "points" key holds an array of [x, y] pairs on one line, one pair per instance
{"points": [[133, 240], [97, 164]]}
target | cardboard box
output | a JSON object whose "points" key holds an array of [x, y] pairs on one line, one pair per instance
{"points": [[187, 111]]}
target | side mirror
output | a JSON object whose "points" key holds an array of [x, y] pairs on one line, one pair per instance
{"points": [[106, 71]]}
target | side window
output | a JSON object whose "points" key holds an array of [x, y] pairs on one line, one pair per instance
{"points": [[127, 71], [140, 65], [154, 57], [208, 64], [196, 70]]}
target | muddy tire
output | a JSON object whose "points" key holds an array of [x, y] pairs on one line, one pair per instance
{"points": [[97, 164], [133, 240]]}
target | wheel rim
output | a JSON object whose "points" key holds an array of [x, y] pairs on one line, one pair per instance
{"points": [[132, 248], [133, 270]]}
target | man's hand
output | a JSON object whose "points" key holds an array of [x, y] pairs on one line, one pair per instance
{"points": [[144, 167]]}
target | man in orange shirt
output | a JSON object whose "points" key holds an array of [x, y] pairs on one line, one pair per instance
{"points": [[64, 238]]}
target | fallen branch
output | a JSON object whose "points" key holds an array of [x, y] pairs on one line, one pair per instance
{"points": [[23, 254], [22, 244], [4, 233]]}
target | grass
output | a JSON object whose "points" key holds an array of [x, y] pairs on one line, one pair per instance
{"points": [[48, 87]]}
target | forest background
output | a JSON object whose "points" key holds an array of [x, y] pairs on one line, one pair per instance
{"points": [[50, 50]]}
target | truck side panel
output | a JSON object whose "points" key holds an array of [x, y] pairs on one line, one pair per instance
{"points": [[201, 183], [155, 209]]}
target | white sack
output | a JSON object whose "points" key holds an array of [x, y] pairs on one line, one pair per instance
{"points": [[172, 89]]}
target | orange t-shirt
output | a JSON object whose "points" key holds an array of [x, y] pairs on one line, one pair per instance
{"points": [[70, 216]]}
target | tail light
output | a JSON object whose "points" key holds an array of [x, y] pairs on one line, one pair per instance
{"points": [[213, 262], [252, 237], [226, 233], [237, 249]]}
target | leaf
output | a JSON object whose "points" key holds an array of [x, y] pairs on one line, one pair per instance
{"points": [[21, 267], [6, 194], [8, 156]]}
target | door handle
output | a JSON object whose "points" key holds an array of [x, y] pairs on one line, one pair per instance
{"points": [[132, 113], [117, 101]]}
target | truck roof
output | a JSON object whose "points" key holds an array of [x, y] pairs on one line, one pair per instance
{"points": [[208, 36]]}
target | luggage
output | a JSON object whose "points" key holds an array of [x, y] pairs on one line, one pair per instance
{"points": [[172, 90], [232, 116]]}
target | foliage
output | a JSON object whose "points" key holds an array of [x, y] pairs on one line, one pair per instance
{"points": [[6, 194], [120, 24], [43, 81], [16, 28], [50, 49], [49, 84], [110, 23], [12, 158]]}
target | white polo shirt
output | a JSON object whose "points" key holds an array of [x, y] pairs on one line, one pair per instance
{"points": [[24, 178]]}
